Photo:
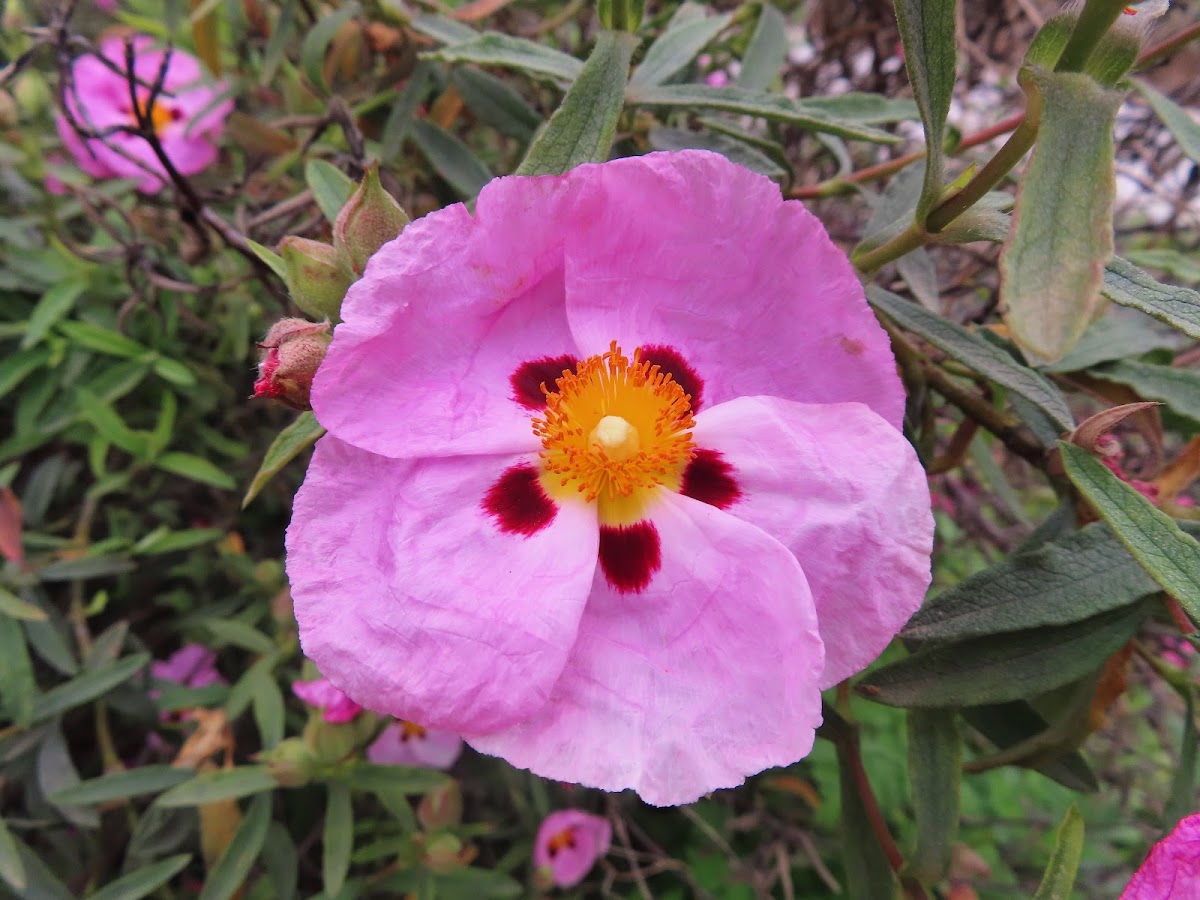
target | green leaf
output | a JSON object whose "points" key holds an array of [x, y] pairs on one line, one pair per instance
{"points": [[13, 606], [102, 340], [173, 371], [496, 104], [1170, 556], [16, 367], [87, 686], [869, 874], [1126, 284], [224, 784], [288, 444], [237, 633], [338, 840], [145, 881], [282, 861], [1064, 861], [664, 138], [86, 567], [1179, 265], [12, 870], [509, 52], [1053, 265], [122, 785], [52, 307], [231, 869], [475, 884], [55, 771], [269, 256], [818, 117], [269, 712], [1116, 336], [930, 55], [197, 468], [935, 770], [330, 187], [1063, 581], [1008, 725], [17, 685], [1002, 667], [440, 28], [862, 108], [400, 119], [407, 779], [766, 52], [582, 128], [675, 48], [1178, 388], [40, 882], [1183, 784], [976, 353], [167, 541], [312, 51], [1185, 129], [451, 158]]}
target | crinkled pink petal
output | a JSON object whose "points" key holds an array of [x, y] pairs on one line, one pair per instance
{"points": [[694, 252], [85, 157], [320, 694], [844, 491], [1172, 870], [569, 842], [441, 320], [707, 676], [412, 600], [433, 749]]}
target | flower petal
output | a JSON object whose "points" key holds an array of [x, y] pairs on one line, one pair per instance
{"points": [[1172, 870], [440, 322], [705, 677], [844, 491], [689, 251], [433, 749], [412, 600], [569, 861]]}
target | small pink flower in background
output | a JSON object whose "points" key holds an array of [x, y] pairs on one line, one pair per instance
{"points": [[568, 843], [614, 482], [186, 117], [1172, 870], [107, 5], [320, 694], [192, 665], [408, 744]]}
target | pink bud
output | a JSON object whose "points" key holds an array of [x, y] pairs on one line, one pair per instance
{"points": [[320, 693], [370, 218], [294, 349]]}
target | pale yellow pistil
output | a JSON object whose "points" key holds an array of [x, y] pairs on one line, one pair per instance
{"points": [[613, 432]]}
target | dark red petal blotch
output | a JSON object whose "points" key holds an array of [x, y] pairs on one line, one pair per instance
{"points": [[517, 502], [630, 555], [529, 377], [671, 360], [709, 479]]}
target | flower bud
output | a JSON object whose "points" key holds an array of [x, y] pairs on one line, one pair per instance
{"points": [[291, 763], [8, 110], [441, 808], [294, 350], [316, 276], [370, 218]]}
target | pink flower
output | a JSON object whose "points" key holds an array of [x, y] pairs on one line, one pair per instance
{"points": [[321, 694], [642, 576], [1172, 870], [568, 844], [408, 744], [192, 665], [186, 117]]}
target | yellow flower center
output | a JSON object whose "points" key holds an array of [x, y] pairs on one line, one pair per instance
{"points": [[410, 731], [160, 115], [613, 431]]}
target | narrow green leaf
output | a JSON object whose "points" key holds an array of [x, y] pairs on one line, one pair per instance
{"points": [[766, 52], [234, 865], [475, 884], [1062, 581], [776, 107], [87, 686], [1002, 667], [338, 840], [122, 785], [288, 444], [1178, 388], [55, 771], [1116, 336], [505, 51], [173, 371], [269, 256], [869, 874], [400, 119], [40, 882], [224, 784], [1126, 284], [12, 870], [282, 861], [582, 128], [862, 108], [238, 634], [663, 138], [1178, 264], [935, 770], [409, 779], [53, 305], [110, 425], [1008, 725], [1170, 556], [312, 51], [167, 541], [441, 28], [13, 606], [16, 367], [1053, 265], [1185, 129], [495, 103], [1180, 800], [975, 352], [451, 158], [675, 48], [330, 187], [145, 881], [930, 55], [86, 567], [268, 709], [1064, 861], [49, 642], [17, 685], [197, 468], [102, 340], [277, 43]]}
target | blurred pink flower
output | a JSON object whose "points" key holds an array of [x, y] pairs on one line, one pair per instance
{"points": [[192, 665], [408, 744], [643, 575], [186, 117], [107, 5], [1172, 870], [568, 843], [320, 694]]}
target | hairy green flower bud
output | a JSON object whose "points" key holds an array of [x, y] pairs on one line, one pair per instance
{"points": [[291, 763], [294, 349], [316, 276], [370, 218]]}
